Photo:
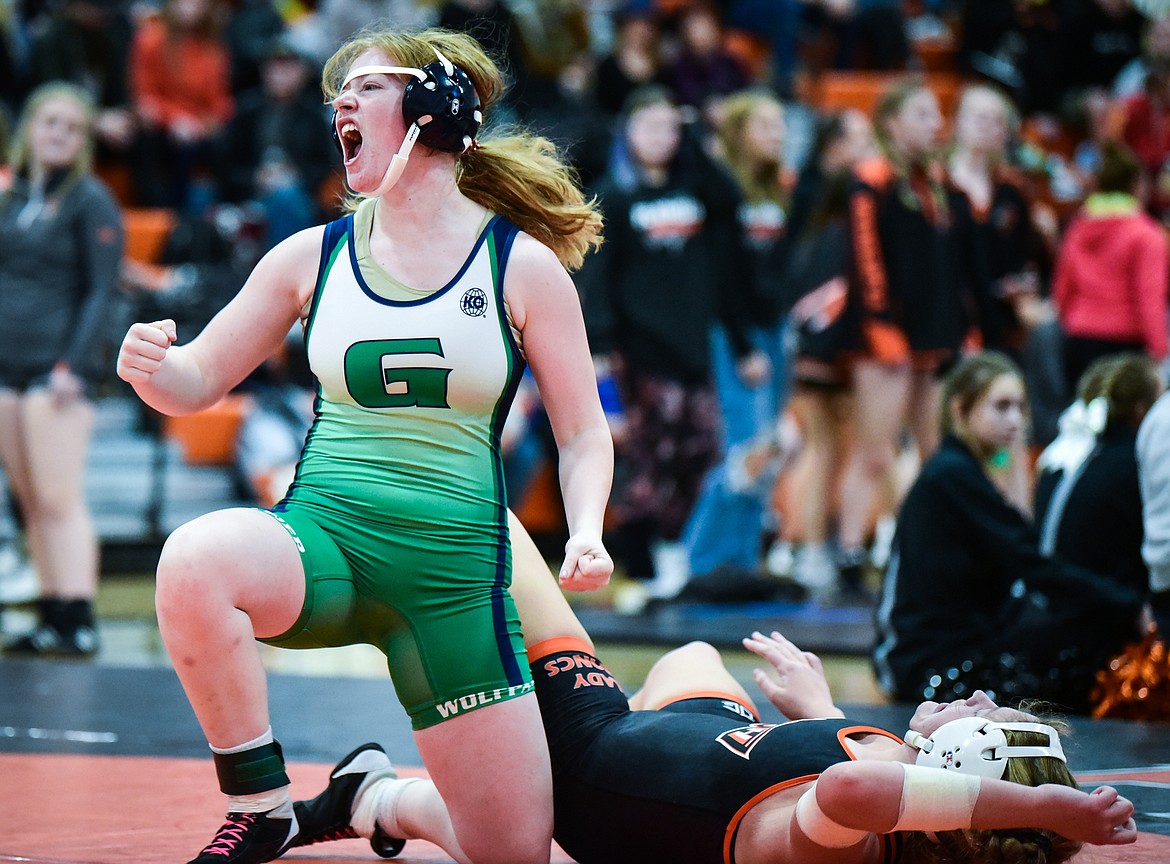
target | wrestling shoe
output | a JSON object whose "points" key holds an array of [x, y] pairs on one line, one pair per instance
{"points": [[327, 817], [249, 838]]}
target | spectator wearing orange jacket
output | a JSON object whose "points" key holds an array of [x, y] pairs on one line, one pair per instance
{"points": [[180, 79]]}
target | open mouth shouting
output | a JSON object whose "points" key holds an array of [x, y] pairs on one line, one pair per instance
{"points": [[351, 140]]}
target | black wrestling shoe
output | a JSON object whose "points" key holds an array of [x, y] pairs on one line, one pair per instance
{"points": [[327, 816], [248, 838]]}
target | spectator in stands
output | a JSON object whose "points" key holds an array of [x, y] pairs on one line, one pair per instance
{"points": [[575, 123], [87, 42], [841, 139], [249, 28], [13, 71], [822, 403], [704, 72], [59, 262], [337, 20], [1153, 456], [866, 34], [734, 509], [970, 602], [1088, 504], [1110, 285], [669, 269], [554, 38], [1016, 45], [632, 62], [1131, 80], [914, 277], [180, 77], [1145, 117], [1098, 38], [493, 24], [998, 204], [818, 284], [276, 149]]}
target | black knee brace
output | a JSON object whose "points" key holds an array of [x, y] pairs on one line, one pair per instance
{"points": [[248, 772]]}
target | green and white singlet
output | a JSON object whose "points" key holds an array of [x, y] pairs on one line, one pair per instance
{"points": [[398, 503]]}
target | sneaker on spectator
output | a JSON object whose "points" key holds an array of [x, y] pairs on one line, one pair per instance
{"points": [[45, 640], [814, 568], [780, 559]]}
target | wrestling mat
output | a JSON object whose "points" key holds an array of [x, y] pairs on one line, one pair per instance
{"points": [[106, 765]]}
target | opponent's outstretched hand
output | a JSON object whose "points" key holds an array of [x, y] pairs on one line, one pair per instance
{"points": [[143, 350], [1102, 817], [587, 565], [798, 688]]}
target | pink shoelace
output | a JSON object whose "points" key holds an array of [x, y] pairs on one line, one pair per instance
{"points": [[230, 834]]}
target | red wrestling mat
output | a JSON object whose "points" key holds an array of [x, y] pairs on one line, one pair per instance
{"points": [[70, 809], [1130, 782]]}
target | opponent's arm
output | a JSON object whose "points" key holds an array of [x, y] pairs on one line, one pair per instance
{"points": [[797, 686], [851, 799]]}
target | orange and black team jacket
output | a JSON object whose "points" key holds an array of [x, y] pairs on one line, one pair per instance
{"points": [[1009, 245], [917, 273]]}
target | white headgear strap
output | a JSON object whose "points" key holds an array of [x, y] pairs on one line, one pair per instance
{"points": [[978, 746]]}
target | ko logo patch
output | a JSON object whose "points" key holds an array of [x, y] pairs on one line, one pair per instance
{"points": [[473, 303]]}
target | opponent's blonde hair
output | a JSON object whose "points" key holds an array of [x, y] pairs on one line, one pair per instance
{"points": [[512, 171]]}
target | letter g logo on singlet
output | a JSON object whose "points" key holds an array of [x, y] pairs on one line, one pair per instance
{"points": [[375, 382]]}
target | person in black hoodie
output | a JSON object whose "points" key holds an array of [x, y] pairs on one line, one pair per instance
{"points": [[970, 601], [672, 265], [729, 520], [1088, 505]]}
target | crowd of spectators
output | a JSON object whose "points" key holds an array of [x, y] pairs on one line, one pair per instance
{"points": [[787, 277]]}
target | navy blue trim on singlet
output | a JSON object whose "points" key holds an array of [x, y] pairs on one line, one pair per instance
{"points": [[334, 232], [503, 233], [385, 301]]}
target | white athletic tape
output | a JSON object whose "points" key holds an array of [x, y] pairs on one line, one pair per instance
{"points": [[936, 800], [819, 828]]}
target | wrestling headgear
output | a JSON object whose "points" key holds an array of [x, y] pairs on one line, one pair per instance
{"points": [[978, 746], [440, 107]]}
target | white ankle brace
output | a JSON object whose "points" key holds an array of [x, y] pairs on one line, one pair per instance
{"points": [[262, 802]]}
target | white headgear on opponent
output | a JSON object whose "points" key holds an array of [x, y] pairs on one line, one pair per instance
{"points": [[978, 746]]}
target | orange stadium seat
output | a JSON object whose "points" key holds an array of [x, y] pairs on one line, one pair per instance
{"points": [[836, 90], [209, 437], [147, 229]]}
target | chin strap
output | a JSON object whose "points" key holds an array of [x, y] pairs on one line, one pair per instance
{"points": [[398, 161], [918, 741]]}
